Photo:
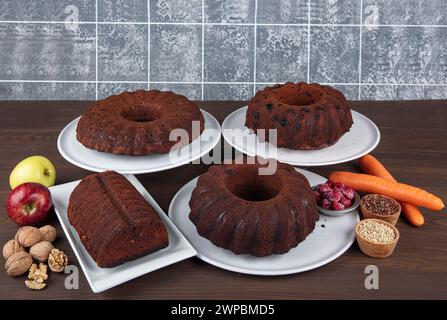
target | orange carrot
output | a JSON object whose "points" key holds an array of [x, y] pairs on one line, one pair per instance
{"points": [[371, 165], [412, 214], [398, 191]]}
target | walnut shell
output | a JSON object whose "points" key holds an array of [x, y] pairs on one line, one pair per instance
{"points": [[18, 264], [28, 236], [11, 247], [41, 250], [57, 260], [48, 233]]}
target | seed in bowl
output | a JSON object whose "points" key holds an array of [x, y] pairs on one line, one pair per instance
{"points": [[376, 232], [380, 205]]}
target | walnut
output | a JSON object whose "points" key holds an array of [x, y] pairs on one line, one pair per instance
{"points": [[18, 263], [48, 233], [37, 277], [38, 273], [11, 247], [33, 285], [28, 236], [41, 250], [57, 261]]}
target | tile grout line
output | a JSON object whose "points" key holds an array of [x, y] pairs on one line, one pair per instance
{"points": [[96, 50], [217, 82], [255, 47], [360, 51], [308, 41], [148, 45], [230, 24], [203, 49]]}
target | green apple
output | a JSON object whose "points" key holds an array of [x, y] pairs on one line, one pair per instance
{"points": [[33, 169]]}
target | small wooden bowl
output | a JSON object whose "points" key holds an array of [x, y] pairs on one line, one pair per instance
{"points": [[391, 218], [376, 250]]}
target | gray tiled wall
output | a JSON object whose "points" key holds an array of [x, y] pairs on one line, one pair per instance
{"points": [[222, 49]]}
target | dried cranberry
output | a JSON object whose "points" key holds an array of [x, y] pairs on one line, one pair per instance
{"points": [[326, 204], [346, 202], [337, 206], [333, 195], [338, 185], [348, 192], [324, 188]]}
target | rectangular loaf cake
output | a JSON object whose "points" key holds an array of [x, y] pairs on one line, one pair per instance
{"points": [[113, 220]]}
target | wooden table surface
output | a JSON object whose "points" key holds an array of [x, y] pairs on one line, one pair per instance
{"points": [[413, 147]]}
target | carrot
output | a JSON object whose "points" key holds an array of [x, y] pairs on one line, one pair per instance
{"points": [[399, 191], [412, 214], [371, 165]]}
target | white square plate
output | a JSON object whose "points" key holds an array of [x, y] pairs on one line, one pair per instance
{"points": [[101, 279]]}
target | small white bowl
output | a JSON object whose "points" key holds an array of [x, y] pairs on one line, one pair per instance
{"points": [[338, 213]]}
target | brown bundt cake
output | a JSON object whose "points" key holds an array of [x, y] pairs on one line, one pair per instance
{"points": [[138, 123], [306, 116], [237, 209], [113, 220]]}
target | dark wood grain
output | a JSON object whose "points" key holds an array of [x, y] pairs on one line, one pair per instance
{"points": [[413, 147]]}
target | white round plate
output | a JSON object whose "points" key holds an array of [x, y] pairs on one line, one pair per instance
{"points": [[73, 151], [331, 237], [361, 139]]}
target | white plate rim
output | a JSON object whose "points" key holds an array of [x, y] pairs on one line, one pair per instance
{"points": [[304, 163], [255, 271], [188, 250], [67, 157]]}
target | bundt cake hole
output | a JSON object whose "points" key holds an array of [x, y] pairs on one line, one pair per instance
{"points": [[139, 114], [251, 186], [297, 100], [294, 97]]}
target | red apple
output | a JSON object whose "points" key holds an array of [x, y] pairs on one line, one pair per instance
{"points": [[29, 203]]}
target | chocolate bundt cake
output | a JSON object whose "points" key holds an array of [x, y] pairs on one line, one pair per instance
{"points": [[113, 220], [306, 116], [237, 209], [138, 123]]}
